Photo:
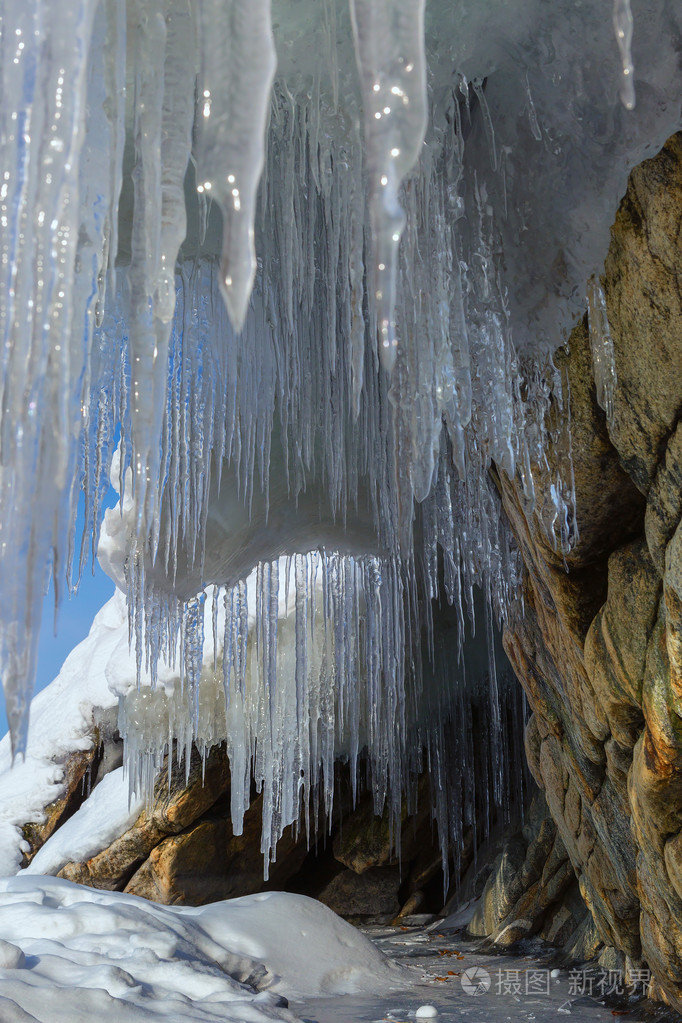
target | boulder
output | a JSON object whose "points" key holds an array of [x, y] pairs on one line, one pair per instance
{"points": [[374, 893], [528, 881], [177, 802]]}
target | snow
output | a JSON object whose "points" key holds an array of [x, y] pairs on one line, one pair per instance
{"points": [[107, 813], [322, 954], [63, 720], [71, 953]]}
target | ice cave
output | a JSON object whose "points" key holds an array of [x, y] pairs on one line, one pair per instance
{"points": [[370, 313]]}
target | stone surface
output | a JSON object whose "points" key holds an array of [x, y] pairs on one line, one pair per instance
{"points": [[370, 894], [207, 862], [175, 806], [644, 304], [598, 648], [527, 884], [78, 770], [365, 840]]}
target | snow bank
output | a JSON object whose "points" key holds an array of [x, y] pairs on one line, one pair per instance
{"points": [[72, 953], [107, 813], [322, 954], [63, 717]]}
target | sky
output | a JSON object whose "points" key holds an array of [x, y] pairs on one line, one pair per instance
{"points": [[74, 620]]}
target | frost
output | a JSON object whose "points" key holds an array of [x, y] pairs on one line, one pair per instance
{"points": [[270, 429]]}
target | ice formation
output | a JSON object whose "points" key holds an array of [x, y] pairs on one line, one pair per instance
{"points": [[601, 345], [218, 221]]}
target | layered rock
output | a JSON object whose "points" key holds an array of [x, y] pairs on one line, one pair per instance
{"points": [[597, 641], [182, 850], [531, 887]]}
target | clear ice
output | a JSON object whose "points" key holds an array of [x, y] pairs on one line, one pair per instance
{"points": [[299, 270]]}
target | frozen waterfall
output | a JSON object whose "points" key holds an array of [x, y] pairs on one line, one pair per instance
{"points": [[302, 267]]}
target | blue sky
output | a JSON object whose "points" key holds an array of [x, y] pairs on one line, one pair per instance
{"points": [[73, 623]]}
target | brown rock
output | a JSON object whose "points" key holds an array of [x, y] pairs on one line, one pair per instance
{"points": [[78, 769], [664, 501], [644, 306], [616, 644], [529, 879], [174, 807], [599, 649], [370, 894], [366, 840], [186, 869], [207, 862]]}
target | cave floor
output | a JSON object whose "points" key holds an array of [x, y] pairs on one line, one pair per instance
{"points": [[463, 983]]}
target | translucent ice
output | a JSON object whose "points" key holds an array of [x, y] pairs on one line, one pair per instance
{"points": [[601, 344]]}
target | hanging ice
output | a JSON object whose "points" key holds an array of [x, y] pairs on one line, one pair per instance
{"points": [[622, 23], [237, 57], [601, 344], [389, 48]]}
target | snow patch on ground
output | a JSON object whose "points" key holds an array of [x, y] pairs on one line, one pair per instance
{"points": [[72, 953]]}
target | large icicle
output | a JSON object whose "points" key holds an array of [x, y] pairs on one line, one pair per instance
{"points": [[163, 38], [44, 64], [389, 49], [622, 24], [237, 67]]}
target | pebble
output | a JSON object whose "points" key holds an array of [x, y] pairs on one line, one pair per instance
{"points": [[426, 1012]]}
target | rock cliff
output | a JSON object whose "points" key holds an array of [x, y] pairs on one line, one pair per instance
{"points": [[596, 640]]}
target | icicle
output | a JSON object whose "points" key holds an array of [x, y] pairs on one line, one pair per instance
{"points": [[44, 59], [237, 68], [622, 24], [164, 110], [478, 85], [532, 114], [601, 345], [389, 50]]}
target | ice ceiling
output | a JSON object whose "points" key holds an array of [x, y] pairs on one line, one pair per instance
{"points": [[303, 265]]}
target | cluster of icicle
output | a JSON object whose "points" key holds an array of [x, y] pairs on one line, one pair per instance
{"points": [[218, 222], [300, 666]]}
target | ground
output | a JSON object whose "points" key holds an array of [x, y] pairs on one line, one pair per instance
{"points": [[521, 987]]}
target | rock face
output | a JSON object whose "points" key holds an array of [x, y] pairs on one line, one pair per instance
{"points": [[597, 645], [182, 850], [531, 887]]}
